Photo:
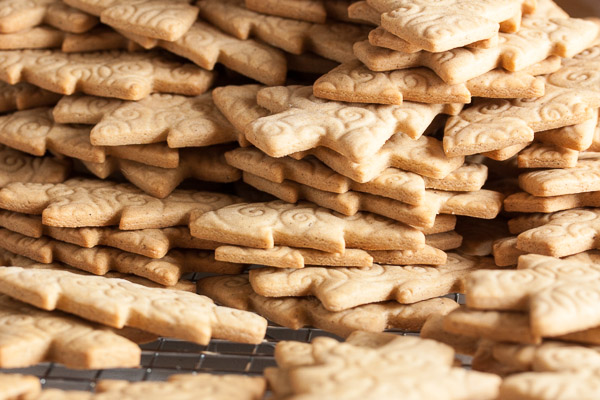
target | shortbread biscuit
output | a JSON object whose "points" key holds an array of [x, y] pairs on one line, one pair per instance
{"points": [[507, 327], [236, 292], [577, 137], [400, 185], [39, 37], [515, 52], [333, 40], [495, 124], [527, 203], [505, 251], [19, 15], [180, 121], [220, 387], [542, 285], [424, 156], [19, 167], [152, 243], [525, 222], [382, 38], [481, 204], [546, 385], [130, 76], [302, 225], [97, 39], [301, 122], [71, 341], [438, 28], [564, 233], [354, 82], [23, 96], [444, 240], [206, 46], [548, 356], [156, 19], [539, 155], [79, 202], [341, 288], [117, 303], [583, 177], [433, 329], [100, 260], [206, 164], [16, 385], [404, 364], [289, 257], [303, 10], [138, 336]]}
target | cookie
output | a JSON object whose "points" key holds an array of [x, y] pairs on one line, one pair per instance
{"points": [[393, 363], [156, 19], [341, 288], [539, 155], [310, 312], [72, 341], [19, 167], [206, 164], [438, 28], [304, 10], [152, 243], [206, 46], [117, 303], [577, 137], [302, 225], [289, 257], [403, 186], [433, 329], [16, 385], [564, 233], [354, 82], [424, 156], [109, 74], [301, 122], [515, 51], [104, 203], [542, 285], [505, 251], [525, 202], [18, 16], [556, 182], [333, 40], [23, 96], [495, 124], [481, 204], [100, 260]]}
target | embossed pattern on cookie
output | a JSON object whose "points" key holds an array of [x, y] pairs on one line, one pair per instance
{"points": [[130, 76], [118, 303]]}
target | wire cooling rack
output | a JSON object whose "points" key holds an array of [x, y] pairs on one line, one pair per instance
{"points": [[166, 357]]}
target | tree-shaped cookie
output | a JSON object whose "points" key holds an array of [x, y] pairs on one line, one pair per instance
{"points": [[571, 98], [118, 303], [559, 294], [79, 202], [19, 15], [130, 76], [342, 288], [563, 37], [438, 27], [302, 225], [333, 40], [419, 368], [161, 19], [294, 312], [300, 122], [31, 336]]}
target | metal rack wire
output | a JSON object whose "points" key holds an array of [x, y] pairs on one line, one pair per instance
{"points": [[166, 357]]}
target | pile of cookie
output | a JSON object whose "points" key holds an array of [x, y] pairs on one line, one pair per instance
{"points": [[392, 152]]}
